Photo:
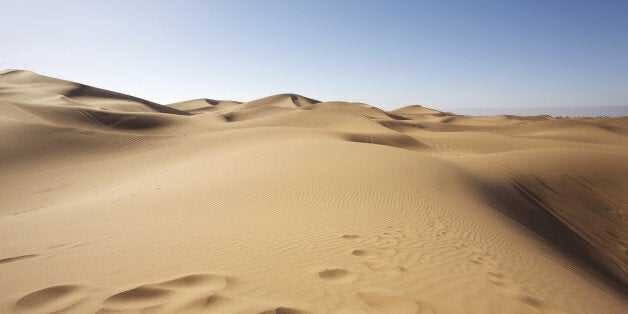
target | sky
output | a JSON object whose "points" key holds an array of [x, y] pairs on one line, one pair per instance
{"points": [[441, 54]]}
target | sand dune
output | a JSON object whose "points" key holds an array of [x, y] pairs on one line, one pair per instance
{"points": [[197, 106], [286, 204]]}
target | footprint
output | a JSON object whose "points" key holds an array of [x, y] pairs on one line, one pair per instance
{"points": [[139, 294], [530, 300], [501, 280], [537, 303], [284, 310], [16, 258], [148, 296], [148, 309], [50, 299], [214, 302], [384, 267], [338, 275], [477, 260], [365, 253], [385, 301], [206, 281]]}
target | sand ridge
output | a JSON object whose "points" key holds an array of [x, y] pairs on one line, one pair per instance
{"points": [[287, 204]]}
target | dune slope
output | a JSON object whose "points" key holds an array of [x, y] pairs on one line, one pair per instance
{"points": [[286, 204]]}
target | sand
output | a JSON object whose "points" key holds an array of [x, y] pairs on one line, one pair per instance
{"points": [[285, 204]]}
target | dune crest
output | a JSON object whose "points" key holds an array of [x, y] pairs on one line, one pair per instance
{"points": [[287, 204]]}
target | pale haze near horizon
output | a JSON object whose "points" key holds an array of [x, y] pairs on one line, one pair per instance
{"points": [[440, 54]]}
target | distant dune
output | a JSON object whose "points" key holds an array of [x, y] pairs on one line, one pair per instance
{"points": [[287, 204], [559, 112]]}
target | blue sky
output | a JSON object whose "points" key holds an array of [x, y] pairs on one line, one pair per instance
{"points": [[441, 54]]}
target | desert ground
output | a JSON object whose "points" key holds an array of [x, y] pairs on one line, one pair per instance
{"points": [[111, 203]]}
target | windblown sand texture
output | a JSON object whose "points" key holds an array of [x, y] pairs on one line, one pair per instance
{"points": [[285, 204]]}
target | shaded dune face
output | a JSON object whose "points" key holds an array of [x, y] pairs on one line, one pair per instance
{"points": [[287, 204], [574, 199], [593, 213], [575, 219]]}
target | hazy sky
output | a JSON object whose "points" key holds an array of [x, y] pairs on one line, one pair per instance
{"points": [[442, 54]]}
